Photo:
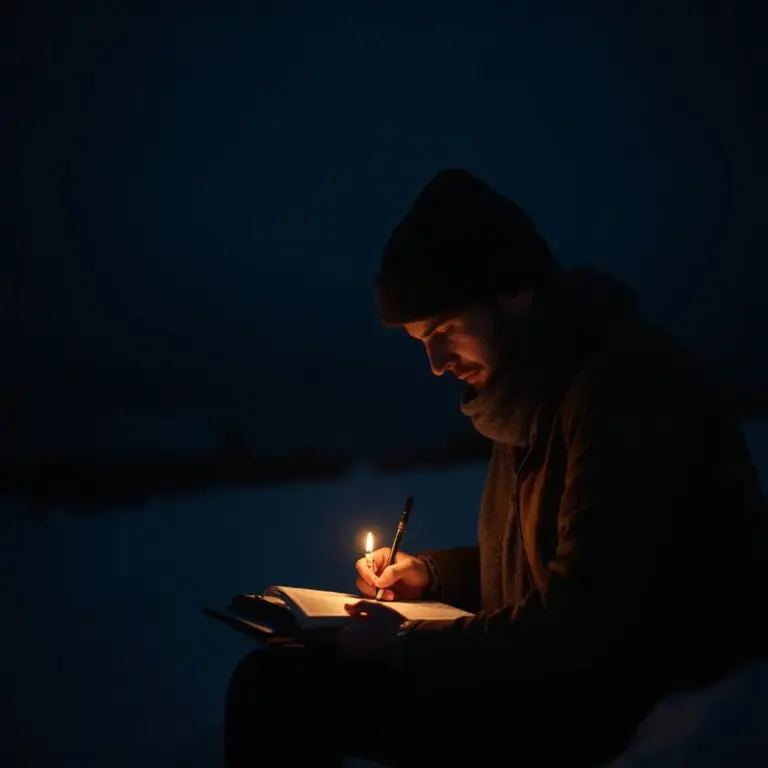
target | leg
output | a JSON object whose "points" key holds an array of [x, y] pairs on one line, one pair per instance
{"points": [[297, 706]]}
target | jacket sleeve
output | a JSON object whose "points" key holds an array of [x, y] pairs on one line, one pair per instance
{"points": [[455, 576], [611, 518]]}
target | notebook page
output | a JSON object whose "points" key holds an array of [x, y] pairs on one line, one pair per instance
{"points": [[426, 611], [314, 602]]}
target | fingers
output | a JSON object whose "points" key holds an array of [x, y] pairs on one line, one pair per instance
{"points": [[372, 610], [365, 588], [368, 583], [369, 591], [391, 574], [365, 573], [355, 609], [365, 608], [380, 558]]}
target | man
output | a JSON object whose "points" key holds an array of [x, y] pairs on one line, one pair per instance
{"points": [[622, 533]]}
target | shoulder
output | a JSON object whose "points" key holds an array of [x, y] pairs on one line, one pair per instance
{"points": [[639, 377]]}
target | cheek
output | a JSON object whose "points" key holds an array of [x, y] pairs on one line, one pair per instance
{"points": [[436, 350], [470, 351]]}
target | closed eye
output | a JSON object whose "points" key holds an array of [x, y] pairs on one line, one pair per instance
{"points": [[441, 330]]}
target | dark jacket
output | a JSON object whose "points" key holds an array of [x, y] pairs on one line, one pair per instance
{"points": [[628, 544]]}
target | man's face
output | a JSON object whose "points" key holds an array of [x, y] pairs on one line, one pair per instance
{"points": [[468, 344], [460, 343]]}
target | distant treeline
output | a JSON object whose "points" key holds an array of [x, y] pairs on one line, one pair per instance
{"points": [[97, 484]]}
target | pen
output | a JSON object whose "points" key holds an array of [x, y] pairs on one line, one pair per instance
{"points": [[398, 536]]}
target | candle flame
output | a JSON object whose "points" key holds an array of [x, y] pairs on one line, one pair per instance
{"points": [[369, 543]]}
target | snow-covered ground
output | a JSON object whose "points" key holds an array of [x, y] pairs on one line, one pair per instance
{"points": [[109, 658]]}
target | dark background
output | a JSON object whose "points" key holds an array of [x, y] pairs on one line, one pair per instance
{"points": [[195, 197]]}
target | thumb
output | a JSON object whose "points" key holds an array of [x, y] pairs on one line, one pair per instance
{"points": [[392, 573], [355, 609]]}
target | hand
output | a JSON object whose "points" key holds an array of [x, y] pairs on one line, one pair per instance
{"points": [[406, 579], [372, 632]]}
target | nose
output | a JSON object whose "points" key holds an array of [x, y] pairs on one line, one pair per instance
{"points": [[440, 359]]}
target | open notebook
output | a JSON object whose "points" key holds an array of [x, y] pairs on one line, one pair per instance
{"points": [[286, 611]]}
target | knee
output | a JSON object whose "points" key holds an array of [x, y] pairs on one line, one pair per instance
{"points": [[253, 670], [251, 673], [255, 664], [262, 671]]}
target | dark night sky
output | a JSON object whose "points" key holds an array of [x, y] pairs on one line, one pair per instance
{"points": [[198, 198], [194, 203]]}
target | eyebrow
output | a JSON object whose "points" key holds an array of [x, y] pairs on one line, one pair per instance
{"points": [[434, 325]]}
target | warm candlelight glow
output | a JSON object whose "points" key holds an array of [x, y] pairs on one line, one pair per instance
{"points": [[369, 544]]}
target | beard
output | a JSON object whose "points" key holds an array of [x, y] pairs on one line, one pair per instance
{"points": [[507, 344], [499, 408]]}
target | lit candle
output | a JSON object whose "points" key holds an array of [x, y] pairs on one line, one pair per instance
{"points": [[369, 552]]}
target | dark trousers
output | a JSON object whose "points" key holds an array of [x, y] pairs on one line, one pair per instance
{"points": [[295, 706]]}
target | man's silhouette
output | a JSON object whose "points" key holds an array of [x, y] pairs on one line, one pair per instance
{"points": [[622, 532]]}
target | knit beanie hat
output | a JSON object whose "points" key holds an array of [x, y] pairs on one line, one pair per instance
{"points": [[460, 243]]}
